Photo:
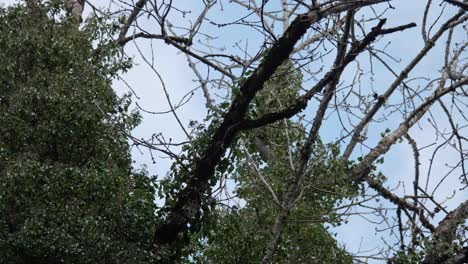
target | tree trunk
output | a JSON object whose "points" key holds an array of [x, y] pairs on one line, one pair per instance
{"points": [[75, 8]]}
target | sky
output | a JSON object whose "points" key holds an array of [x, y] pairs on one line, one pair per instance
{"points": [[358, 234]]}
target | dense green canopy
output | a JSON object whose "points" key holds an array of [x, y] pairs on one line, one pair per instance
{"points": [[68, 192]]}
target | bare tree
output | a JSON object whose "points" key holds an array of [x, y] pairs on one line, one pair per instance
{"points": [[337, 46]]}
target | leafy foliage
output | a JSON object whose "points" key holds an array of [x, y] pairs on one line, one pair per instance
{"points": [[68, 192], [239, 234]]}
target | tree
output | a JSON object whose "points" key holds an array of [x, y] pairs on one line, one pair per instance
{"points": [[239, 235], [302, 108], [68, 192], [326, 40]]}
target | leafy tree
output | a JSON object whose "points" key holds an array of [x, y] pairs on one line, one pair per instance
{"points": [[68, 193], [239, 234]]}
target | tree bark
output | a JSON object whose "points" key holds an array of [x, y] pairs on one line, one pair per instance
{"points": [[445, 233], [75, 8]]}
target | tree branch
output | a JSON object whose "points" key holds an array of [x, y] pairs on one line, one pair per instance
{"points": [[187, 205], [403, 75], [458, 3], [306, 151], [361, 169], [181, 40], [445, 233], [131, 18], [377, 186], [302, 101]]}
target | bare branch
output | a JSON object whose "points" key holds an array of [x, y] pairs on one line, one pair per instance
{"points": [[130, 19], [403, 75], [445, 233], [458, 3], [189, 199]]}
